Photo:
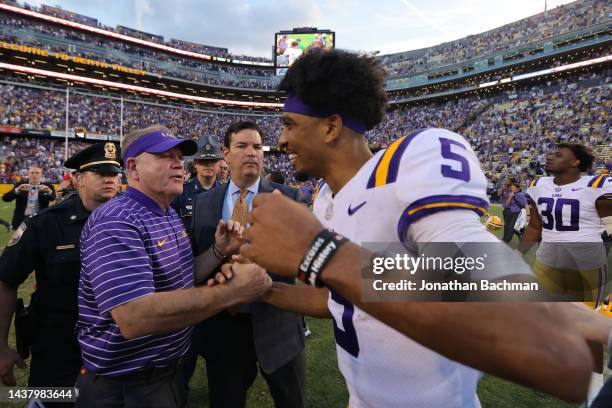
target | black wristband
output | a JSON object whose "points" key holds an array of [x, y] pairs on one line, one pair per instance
{"points": [[218, 254], [322, 248]]}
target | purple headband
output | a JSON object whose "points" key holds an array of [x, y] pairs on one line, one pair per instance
{"points": [[157, 142], [295, 105]]}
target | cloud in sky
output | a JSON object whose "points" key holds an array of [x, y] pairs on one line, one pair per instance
{"points": [[248, 27]]}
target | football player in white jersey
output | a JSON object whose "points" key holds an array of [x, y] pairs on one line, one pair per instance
{"points": [[566, 215], [426, 187]]}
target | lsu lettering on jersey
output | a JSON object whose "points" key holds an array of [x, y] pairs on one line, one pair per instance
{"points": [[571, 257], [428, 171]]}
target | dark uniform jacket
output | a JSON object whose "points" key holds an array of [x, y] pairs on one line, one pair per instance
{"points": [[183, 204], [278, 334], [22, 201], [48, 244]]}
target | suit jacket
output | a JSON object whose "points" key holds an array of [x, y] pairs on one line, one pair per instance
{"points": [[22, 201], [278, 335]]}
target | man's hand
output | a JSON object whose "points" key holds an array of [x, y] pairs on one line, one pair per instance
{"points": [[8, 359], [593, 326], [280, 233], [250, 281], [228, 237], [45, 189], [22, 188]]}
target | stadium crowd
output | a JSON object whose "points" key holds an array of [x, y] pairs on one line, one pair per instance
{"points": [[512, 131], [22, 31], [17, 155], [560, 20]]}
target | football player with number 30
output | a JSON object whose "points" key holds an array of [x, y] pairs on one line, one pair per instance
{"points": [[566, 215]]}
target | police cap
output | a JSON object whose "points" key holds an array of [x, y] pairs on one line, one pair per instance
{"points": [[209, 148], [99, 158]]}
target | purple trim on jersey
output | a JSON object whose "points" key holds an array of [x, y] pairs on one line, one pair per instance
{"points": [[130, 248], [397, 156], [295, 105], [407, 219], [593, 180], [601, 182], [395, 160], [372, 180]]}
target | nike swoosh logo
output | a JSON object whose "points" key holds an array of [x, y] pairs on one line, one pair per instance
{"points": [[352, 211], [576, 189], [160, 243]]}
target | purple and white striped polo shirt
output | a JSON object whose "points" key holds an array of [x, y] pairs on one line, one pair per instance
{"points": [[130, 248]]}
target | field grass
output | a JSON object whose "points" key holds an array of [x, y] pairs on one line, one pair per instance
{"points": [[325, 385]]}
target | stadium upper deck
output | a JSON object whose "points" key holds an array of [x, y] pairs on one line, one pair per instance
{"points": [[70, 34]]}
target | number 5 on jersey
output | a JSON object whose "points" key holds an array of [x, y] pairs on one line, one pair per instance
{"points": [[463, 172]]}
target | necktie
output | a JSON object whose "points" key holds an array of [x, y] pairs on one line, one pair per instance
{"points": [[240, 209]]}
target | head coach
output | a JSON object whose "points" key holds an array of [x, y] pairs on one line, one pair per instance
{"points": [[137, 300]]}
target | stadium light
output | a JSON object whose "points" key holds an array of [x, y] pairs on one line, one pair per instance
{"points": [[134, 88]]}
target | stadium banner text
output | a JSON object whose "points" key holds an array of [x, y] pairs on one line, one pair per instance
{"points": [[65, 57]]}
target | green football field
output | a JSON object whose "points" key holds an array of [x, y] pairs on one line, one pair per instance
{"points": [[325, 385]]}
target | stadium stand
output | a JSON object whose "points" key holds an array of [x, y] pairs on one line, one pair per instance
{"points": [[512, 130], [559, 20], [512, 125]]}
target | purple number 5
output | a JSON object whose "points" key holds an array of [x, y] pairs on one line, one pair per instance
{"points": [[347, 338], [448, 171]]}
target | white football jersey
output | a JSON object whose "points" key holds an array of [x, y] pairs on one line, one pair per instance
{"points": [[425, 172], [568, 212], [569, 216]]}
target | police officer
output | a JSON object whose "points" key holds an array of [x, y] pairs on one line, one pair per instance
{"points": [[207, 167], [48, 244]]}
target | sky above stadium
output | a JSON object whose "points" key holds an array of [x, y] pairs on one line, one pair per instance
{"points": [[248, 27]]}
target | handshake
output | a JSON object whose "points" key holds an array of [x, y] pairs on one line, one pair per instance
{"points": [[248, 280]]}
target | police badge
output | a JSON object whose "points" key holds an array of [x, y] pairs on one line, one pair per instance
{"points": [[110, 151]]}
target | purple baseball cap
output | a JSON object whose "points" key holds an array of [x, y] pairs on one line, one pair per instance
{"points": [[159, 141]]}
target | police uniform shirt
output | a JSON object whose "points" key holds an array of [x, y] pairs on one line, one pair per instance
{"points": [[183, 204], [48, 244]]}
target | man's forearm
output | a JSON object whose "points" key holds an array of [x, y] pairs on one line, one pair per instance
{"points": [[525, 343], [306, 300], [205, 264], [8, 297], [530, 238], [163, 312]]}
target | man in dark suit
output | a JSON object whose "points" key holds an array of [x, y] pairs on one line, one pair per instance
{"points": [[235, 341], [32, 196]]}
